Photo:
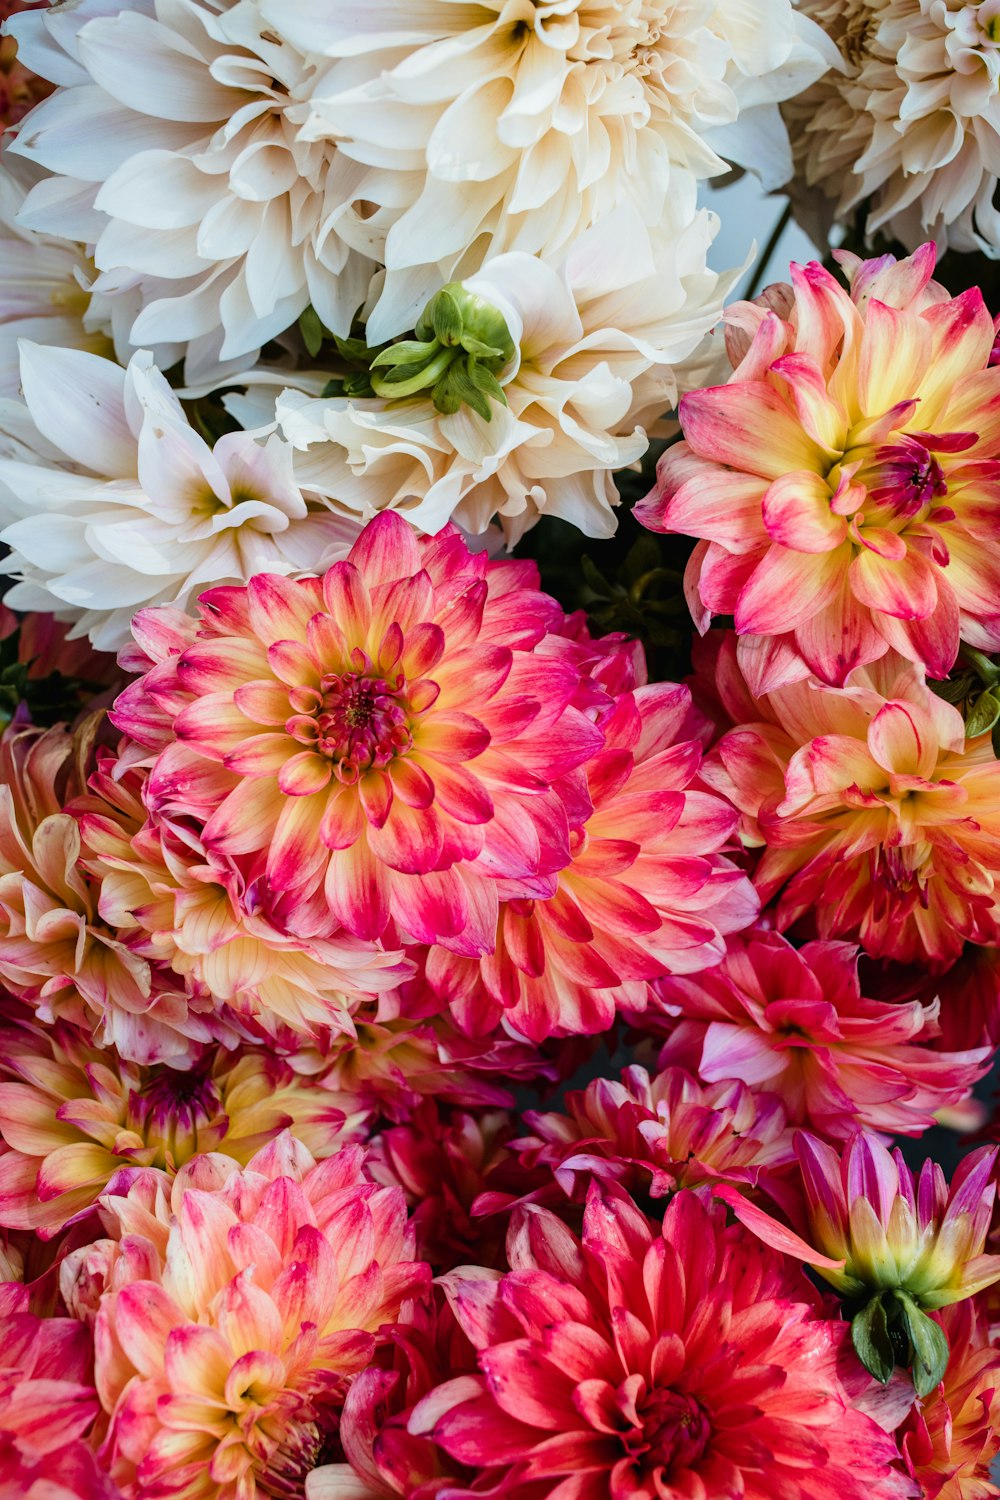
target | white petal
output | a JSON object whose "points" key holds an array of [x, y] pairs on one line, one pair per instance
{"points": [[76, 401]]}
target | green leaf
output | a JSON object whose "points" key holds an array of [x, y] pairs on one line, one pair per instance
{"points": [[929, 1344], [983, 714], [870, 1337], [312, 331]]}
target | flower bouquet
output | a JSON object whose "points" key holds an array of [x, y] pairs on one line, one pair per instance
{"points": [[499, 750]]}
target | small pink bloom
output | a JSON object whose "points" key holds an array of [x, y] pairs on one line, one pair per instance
{"points": [[382, 744], [794, 1021], [658, 1134], [645, 1362], [842, 484]]}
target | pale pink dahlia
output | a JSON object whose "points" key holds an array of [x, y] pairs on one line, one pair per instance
{"points": [[950, 1439], [794, 1021], [880, 821], [646, 892], [844, 482], [48, 1408], [645, 1363], [224, 1358], [381, 744], [658, 1134]]}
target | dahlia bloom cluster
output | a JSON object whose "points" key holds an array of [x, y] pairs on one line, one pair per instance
{"points": [[447, 1051]]}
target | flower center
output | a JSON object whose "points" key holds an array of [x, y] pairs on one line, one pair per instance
{"points": [[674, 1434], [173, 1110], [904, 478], [356, 720]]}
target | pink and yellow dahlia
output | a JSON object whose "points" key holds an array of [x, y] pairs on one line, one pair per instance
{"points": [[75, 1117], [48, 1410], [56, 952], [647, 890], [794, 1021], [223, 1359], [950, 1439], [658, 1134], [880, 820], [869, 1226], [640, 1361], [382, 744], [194, 914], [844, 482]]}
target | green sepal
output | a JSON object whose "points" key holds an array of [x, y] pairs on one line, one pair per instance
{"points": [[983, 715], [870, 1337], [455, 389], [446, 315], [406, 352], [929, 1345], [312, 331]]}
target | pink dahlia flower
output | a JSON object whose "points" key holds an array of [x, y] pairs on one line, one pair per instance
{"points": [[843, 483], [950, 1439], [381, 744], [658, 1134], [224, 1358], [647, 1363], [880, 820], [48, 1407], [384, 1458], [74, 1117], [444, 1160], [646, 892], [794, 1021]]}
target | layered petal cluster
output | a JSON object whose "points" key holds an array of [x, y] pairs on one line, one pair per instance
{"points": [[444, 1159], [75, 1118], [44, 283], [843, 483], [219, 934], [57, 954], [111, 501], [48, 1407], [649, 1361], [658, 1134], [597, 341], [879, 818], [177, 149], [380, 745], [794, 1021], [871, 1227], [514, 129], [225, 1344], [646, 891], [950, 1439], [908, 125]]}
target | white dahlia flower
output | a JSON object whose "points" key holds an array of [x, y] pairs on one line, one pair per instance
{"points": [[514, 124], [44, 285], [595, 345], [111, 501], [912, 123], [178, 153]]}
